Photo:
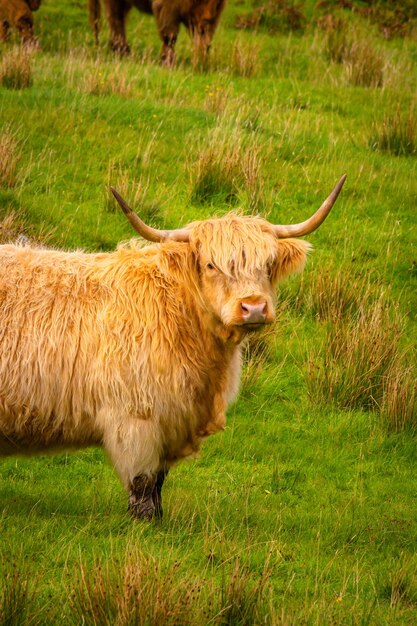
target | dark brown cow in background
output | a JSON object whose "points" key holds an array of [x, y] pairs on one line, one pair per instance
{"points": [[18, 14], [200, 17]]}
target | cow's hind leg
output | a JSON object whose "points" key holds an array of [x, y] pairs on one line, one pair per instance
{"points": [[117, 11], [157, 492]]}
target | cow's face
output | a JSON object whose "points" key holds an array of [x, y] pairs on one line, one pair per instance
{"points": [[240, 261]]}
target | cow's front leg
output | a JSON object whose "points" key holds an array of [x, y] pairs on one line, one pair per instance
{"points": [[157, 495], [141, 499], [168, 26]]}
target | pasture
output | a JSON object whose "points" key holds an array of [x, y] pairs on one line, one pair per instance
{"points": [[304, 510]]}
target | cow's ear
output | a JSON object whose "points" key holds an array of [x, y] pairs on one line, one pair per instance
{"points": [[291, 257]]}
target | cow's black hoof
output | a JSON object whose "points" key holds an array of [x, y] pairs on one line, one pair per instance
{"points": [[142, 510]]}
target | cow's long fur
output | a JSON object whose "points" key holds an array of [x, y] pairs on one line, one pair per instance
{"points": [[137, 350]]}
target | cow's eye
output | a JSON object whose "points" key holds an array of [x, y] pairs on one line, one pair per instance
{"points": [[210, 266]]}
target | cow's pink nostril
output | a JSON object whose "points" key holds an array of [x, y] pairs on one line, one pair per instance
{"points": [[253, 313]]}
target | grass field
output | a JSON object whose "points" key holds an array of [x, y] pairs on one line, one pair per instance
{"points": [[304, 510]]}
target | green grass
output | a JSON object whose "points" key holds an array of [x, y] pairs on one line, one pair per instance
{"points": [[302, 512]]}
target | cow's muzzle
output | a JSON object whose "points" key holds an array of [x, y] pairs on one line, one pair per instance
{"points": [[254, 313]]}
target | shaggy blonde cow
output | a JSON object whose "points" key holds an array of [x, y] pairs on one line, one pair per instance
{"points": [[138, 350]]}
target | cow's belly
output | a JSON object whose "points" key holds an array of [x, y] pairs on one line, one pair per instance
{"points": [[145, 6], [30, 434], [15, 446]]}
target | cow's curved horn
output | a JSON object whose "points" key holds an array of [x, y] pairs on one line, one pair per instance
{"points": [[147, 232], [304, 228]]}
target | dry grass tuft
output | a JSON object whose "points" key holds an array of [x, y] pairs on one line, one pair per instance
{"points": [[258, 350], [397, 134], [250, 117], [134, 190], [240, 59], [402, 587], [333, 295], [10, 155], [360, 364], [242, 600], [15, 68], [351, 367], [273, 16], [144, 593], [359, 54], [98, 82], [399, 402], [138, 593], [17, 591], [335, 38], [216, 175], [14, 229], [10, 228], [226, 170], [363, 63], [245, 60], [217, 99]]}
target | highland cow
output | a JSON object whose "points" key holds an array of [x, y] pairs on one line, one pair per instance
{"points": [[137, 350], [200, 17]]}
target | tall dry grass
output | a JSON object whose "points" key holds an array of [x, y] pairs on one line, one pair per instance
{"points": [[356, 50], [17, 594], [364, 63], [396, 134], [16, 68], [351, 366], [217, 99], [95, 75], [245, 59], [399, 401], [332, 294], [134, 190], [226, 169], [402, 588], [258, 351], [361, 362], [143, 592], [14, 227], [10, 155], [241, 58], [138, 593], [99, 82]]}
